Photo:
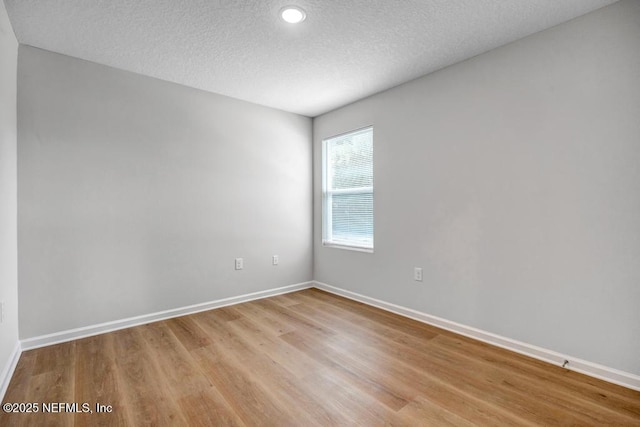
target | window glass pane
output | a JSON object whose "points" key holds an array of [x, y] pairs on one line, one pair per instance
{"points": [[352, 219], [351, 159]]}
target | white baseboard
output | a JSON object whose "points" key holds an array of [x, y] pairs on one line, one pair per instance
{"points": [[595, 370], [87, 331], [8, 370]]}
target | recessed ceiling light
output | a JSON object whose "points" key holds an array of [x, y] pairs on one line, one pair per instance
{"points": [[292, 14]]}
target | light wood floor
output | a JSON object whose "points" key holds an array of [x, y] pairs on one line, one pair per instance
{"points": [[306, 358]]}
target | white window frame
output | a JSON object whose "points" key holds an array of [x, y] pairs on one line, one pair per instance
{"points": [[327, 239]]}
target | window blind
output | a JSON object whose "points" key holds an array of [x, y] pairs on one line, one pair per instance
{"points": [[348, 189]]}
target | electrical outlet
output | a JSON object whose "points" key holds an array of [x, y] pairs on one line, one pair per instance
{"points": [[417, 274], [239, 263], [275, 260]]}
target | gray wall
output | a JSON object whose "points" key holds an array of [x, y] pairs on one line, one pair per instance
{"points": [[8, 205], [135, 195], [513, 180]]}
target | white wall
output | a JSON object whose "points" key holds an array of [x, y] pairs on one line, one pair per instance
{"points": [[135, 195], [513, 180], [8, 204]]}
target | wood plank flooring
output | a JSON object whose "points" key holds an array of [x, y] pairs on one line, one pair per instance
{"points": [[307, 358]]}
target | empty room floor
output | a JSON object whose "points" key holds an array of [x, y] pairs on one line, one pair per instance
{"points": [[305, 358]]}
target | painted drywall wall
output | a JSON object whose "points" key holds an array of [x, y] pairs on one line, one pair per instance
{"points": [[8, 186], [513, 180], [136, 195]]}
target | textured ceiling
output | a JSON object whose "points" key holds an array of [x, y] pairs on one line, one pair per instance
{"points": [[344, 51]]}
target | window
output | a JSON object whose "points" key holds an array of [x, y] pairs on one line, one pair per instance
{"points": [[347, 190]]}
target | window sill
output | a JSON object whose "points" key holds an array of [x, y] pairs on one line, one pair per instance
{"points": [[347, 247]]}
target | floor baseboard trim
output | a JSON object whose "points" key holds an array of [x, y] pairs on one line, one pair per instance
{"points": [[102, 328], [591, 369], [8, 370]]}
